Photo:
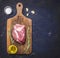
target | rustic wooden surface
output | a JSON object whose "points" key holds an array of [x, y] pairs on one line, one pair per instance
{"points": [[20, 19]]}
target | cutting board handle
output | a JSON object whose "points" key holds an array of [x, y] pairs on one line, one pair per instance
{"points": [[19, 8]]}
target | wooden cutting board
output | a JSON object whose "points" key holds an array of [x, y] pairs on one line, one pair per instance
{"points": [[20, 19]]}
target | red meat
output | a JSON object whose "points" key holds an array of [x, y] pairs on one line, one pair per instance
{"points": [[18, 33]]}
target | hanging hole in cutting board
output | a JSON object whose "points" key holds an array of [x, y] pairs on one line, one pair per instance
{"points": [[19, 5]]}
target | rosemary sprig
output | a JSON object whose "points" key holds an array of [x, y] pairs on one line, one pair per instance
{"points": [[11, 37], [28, 37], [9, 32]]}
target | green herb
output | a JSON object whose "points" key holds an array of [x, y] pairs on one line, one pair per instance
{"points": [[11, 37], [9, 32], [28, 37]]}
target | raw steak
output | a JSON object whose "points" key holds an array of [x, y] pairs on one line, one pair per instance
{"points": [[18, 33]]}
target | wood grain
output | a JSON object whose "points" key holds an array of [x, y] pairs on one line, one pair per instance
{"points": [[20, 19]]}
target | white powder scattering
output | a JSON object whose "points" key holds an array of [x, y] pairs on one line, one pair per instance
{"points": [[49, 33]]}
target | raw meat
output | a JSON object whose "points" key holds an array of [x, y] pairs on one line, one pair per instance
{"points": [[18, 33]]}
